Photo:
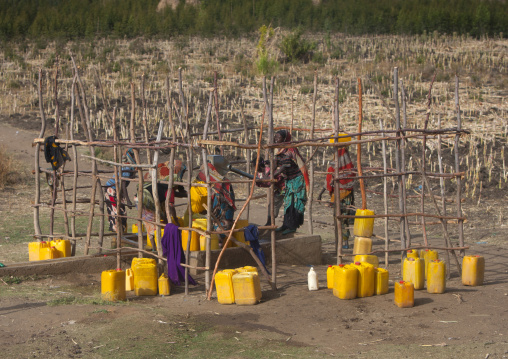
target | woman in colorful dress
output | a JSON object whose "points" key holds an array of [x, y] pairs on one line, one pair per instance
{"points": [[290, 165]]}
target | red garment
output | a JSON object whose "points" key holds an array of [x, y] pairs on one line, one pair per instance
{"points": [[345, 163]]}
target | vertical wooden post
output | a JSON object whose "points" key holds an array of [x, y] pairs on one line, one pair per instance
{"points": [[248, 154], [269, 107], [311, 167], [457, 168], [62, 186], [385, 193], [155, 192], [443, 191], [403, 163], [37, 226], [75, 169], [338, 205], [359, 147], [397, 157], [118, 185], [145, 124], [54, 174], [216, 94]]}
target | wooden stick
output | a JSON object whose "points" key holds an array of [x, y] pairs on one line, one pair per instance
{"points": [[403, 163], [385, 197], [75, 162], [457, 166], [273, 167], [311, 167], [442, 187], [37, 226], [338, 205], [402, 207], [359, 147], [155, 193]]}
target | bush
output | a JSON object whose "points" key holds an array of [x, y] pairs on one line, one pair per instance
{"points": [[295, 48]]}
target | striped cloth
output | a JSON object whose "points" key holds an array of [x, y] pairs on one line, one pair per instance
{"points": [[345, 164]]}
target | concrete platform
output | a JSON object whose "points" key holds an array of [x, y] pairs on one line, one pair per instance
{"points": [[300, 249]]}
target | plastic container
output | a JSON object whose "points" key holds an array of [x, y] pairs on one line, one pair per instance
{"points": [[129, 280], [240, 236], [365, 279], [224, 286], [34, 249], [428, 255], [345, 283], [198, 198], [136, 261], [194, 240], [364, 227], [329, 277], [412, 254], [135, 228], [312, 280], [367, 258], [414, 272], [346, 138], [362, 245], [473, 268], [113, 285], [247, 288], [381, 277], [164, 287], [436, 277], [48, 252], [149, 244], [404, 294], [214, 242], [247, 269], [145, 279], [63, 247]]}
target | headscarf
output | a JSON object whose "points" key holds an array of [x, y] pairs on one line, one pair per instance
{"points": [[286, 137], [163, 170]]}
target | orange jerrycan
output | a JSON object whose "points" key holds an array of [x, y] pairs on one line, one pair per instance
{"points": [[473, 268], [436, 277], [224, 286], [113, 285], [404, 294], [345, 283]]}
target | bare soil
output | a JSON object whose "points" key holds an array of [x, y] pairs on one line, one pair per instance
{"points": [[465, 321]]}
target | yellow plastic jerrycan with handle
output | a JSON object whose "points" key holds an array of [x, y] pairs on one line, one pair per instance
{"points": [[113, 285], [329, 276], [345, 283], [365, 279], [364, 227], [381, 277], [129, 280], [62, 246], [362, 245], [404, 294], [428, 255], [164, 286], [473, 269], [224, 286], [48, 252], [34, 249], [247, 288], [240, 235], [436, 277], [367, 258], [145, 278], [413, 272]]}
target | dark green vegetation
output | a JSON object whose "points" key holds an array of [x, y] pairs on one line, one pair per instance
{"points": [[72, 19]]}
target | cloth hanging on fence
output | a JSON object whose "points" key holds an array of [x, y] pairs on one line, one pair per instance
{"points": [[172, 249], [54, 154], [252, 236]]}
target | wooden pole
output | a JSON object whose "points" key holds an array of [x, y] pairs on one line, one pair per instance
{"points": [[359, 147], [457, 167], [216, 95], [248, 154], [385, 197], [37, 226], [443, 191], [272, 185], [403, 162], [118, 185], [54, 174], [311, 167], [145, 124], [155, 193], [75, 169], [337, 208]]}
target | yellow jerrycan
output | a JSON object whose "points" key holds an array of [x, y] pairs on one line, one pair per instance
{"points": [[428, 255], [404, 294], [145, 279], [365, 279], [364, 227], [345, 283], [63, 247], [436, 277], [362, 245], [129, 280], [381, 277], [413, 272], [367, 258], [473, 269], [164, 286], [247, 288], [113, 285], [224, 286]]}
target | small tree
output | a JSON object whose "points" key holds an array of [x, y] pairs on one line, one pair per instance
{"points": [[265, 63], [295, 48]]}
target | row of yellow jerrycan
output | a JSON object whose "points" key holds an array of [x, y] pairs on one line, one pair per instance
{"points": [[240, 286], [358, 279], [57, 248], [142, 278], [198, 241]]}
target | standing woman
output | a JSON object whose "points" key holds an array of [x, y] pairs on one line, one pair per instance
{"points": [[290, 165], [110, 194]]}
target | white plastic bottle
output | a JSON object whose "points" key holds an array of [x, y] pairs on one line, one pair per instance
{"points": [[312, 279]]}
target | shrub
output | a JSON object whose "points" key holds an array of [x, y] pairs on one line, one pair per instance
{"points": [[295, 48]]}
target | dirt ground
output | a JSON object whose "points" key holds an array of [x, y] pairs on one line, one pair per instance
{"points": [[37, 322]]}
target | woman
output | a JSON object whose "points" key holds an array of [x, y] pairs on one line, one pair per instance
{"points": [[148, 211], [110, 194], [290, 165]]}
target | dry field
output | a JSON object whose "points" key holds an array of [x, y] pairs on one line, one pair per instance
{"points": [[63, 316]]}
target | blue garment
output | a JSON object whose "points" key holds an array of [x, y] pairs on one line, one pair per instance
{"points": [[127, 174], [172, 249], [252, 236]]}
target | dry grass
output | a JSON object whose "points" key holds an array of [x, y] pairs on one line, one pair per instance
{"points": [[11, 171]]}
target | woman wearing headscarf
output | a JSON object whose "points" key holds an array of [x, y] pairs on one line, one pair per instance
{"points": [[148, 209], [110, 193], [290, 165]]}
